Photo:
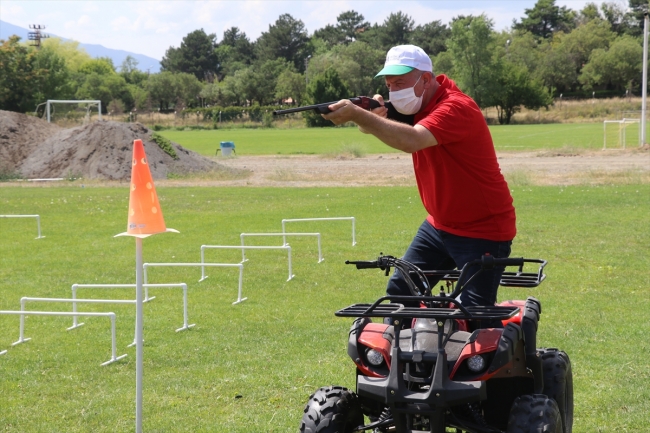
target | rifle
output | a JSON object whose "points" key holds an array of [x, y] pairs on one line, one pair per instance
{"points": [[362, 101]]}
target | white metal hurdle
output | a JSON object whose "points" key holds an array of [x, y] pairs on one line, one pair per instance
{"points": [[243, 248], [292, 220], [203, 277], [38, 221], [74, 300], [284, 235], [22, 338]]}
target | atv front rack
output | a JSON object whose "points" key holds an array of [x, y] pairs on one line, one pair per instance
{"points": [[378, 309], [508, 279]]}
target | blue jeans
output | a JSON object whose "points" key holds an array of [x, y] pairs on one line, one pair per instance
{"points": [[434, 249]]}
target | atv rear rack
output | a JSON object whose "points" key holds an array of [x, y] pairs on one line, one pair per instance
{"points": [[508, 279], [437, 313]]}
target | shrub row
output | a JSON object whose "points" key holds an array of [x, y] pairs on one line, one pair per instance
{"points": [[227, 114]]}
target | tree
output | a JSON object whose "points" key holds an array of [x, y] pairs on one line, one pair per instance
{"points": [[619, 20], [545, 18], [130, 72], [397, 30], [523, 49], [635, 16], [588, 13], [234, 52], [188, 89], [18, 76], [350, 24], [162, 89], [292, 85], [356, 65], [105, 87], [323, 88], [331, 35], [73, 56], [619, 67], [584, 39], [443, 63], [556, 68], [431, 37], [100, 66], [196, 56], [514, 88], [286, 39], [55, 79], [230, 91], [471, 45]]}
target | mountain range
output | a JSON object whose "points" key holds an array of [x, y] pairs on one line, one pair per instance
{"points": [[145, 63]]}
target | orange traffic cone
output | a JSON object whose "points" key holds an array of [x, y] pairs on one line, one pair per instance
{"points": [[145, 214]]}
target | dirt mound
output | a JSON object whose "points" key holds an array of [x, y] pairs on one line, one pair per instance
{"points": [[100, 150], [20, 134]]}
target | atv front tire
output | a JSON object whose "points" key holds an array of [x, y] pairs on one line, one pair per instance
{"points": [[534, 414], [332, 409], [558, 383]]}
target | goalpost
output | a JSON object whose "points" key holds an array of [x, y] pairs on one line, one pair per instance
{"points": [[91, 103]]}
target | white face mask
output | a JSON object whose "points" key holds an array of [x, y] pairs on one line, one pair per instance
{"points": [[405, 100]]}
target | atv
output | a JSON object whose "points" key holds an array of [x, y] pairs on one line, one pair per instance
{"points": [[433, 366]]}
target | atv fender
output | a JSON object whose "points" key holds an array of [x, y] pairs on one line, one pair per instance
{"points": [[529, 322], [374, 336]]}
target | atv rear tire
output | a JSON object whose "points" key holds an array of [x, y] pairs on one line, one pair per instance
{"points": [[558, 383], [332, 409], [534, 414]]}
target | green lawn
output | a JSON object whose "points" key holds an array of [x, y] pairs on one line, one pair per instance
{"points": [[332, 140], [251, 367]]}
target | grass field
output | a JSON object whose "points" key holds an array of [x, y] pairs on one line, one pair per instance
{"points": [[251, 367], [332, 140]]}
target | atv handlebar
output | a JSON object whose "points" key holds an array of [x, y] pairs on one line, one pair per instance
{"points": [[363, 264], [486, 262]]}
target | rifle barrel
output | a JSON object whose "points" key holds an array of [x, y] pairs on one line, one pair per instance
{"points": [[296, 109]]}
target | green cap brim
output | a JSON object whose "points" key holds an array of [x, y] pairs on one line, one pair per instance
{"points": [[394, 70]]}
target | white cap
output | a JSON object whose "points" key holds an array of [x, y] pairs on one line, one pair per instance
{"points": [[403, 59]]}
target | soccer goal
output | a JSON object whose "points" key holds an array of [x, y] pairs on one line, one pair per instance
{"points": [[617, 134], [70, 112]]}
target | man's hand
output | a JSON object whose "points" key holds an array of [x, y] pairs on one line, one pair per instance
{"points": [[345, 111], [380, 111], [342, 112]]}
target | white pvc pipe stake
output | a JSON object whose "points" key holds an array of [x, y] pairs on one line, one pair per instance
{"points": [[22, 315], [38, 221], [284, 235], [139, 349], [292, 220]]}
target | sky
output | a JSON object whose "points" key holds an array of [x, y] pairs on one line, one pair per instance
{"points": [[150, 27]]}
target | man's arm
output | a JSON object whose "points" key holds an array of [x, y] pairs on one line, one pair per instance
{"points": [[398, 135]]}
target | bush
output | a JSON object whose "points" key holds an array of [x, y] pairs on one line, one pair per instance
{"points": [[164, 144]]}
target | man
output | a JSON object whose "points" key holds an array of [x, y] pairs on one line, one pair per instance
{"points": [[456, 169]]}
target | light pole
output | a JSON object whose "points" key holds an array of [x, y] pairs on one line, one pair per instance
{"points": [[644, 91]]}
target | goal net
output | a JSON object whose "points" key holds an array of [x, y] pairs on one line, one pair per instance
{"points": [[69, 113], [618, 134]]}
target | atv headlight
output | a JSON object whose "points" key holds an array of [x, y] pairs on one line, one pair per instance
{"points": [[374, 357], [476, 363]]}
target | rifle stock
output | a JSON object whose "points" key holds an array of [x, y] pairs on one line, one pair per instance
{"points": [[361, 101]]}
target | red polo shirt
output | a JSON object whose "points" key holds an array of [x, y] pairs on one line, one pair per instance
{"points": [[459, 180]]}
